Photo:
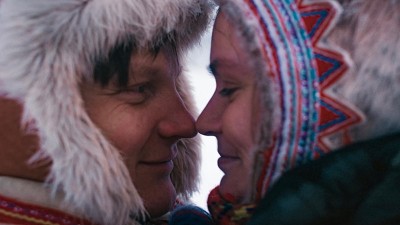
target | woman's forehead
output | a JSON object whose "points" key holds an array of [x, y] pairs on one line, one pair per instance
{"points": [[227, 43], [223, 26]]}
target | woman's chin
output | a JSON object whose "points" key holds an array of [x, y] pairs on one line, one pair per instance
{"points": [[231, 187]]}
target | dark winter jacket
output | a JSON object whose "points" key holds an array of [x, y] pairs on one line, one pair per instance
{"points": [[358, 185]]}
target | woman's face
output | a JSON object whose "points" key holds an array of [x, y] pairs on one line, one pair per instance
{"points": [[144, 121], [229, 115]]}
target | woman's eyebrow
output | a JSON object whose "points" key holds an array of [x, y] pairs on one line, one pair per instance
{"points": [[212, 68], [218, 65]]}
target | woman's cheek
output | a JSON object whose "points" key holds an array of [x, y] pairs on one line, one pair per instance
{"points": [[238, 120]]}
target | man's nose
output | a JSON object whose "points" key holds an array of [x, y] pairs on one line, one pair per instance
{"points": [[178, 121]]}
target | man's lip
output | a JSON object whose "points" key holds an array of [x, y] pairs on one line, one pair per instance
{"points": [[156, 162], [158, 166]]}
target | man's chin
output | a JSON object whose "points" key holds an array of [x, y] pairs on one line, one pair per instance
{"points": [[161, 201]]}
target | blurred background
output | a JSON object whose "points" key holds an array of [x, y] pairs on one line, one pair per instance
{"points": [[203, 85]]}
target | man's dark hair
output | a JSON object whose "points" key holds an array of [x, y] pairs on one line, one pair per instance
{"points": [[118, 61]]}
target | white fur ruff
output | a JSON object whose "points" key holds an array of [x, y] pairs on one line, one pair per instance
{"points": [[47, 47]]}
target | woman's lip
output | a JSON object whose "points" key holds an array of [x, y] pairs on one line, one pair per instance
{"points": [[225, 163]]}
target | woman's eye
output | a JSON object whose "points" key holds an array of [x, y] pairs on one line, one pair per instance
{"points": [[226, 92]]}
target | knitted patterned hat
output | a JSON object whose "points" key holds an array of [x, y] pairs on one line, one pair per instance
{"points": [[303, 73], [47, 47], [297, 75]]}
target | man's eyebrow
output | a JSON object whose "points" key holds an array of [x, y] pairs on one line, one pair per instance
{"points": [[148, 70], [143, 71], [154, 71]]}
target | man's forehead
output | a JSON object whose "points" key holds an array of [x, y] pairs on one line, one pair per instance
{"points": [[162, 62]]}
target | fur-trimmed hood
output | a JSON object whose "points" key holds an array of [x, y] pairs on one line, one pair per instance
{"points": [[47, 47]]}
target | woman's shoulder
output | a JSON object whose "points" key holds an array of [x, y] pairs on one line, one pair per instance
{"points": [[355, 185]]}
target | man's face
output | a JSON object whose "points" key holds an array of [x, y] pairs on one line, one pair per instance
{"points": [[144, 120]]}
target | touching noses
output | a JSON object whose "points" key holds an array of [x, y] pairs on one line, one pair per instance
{"points": [[178, 123], [209, 121]]}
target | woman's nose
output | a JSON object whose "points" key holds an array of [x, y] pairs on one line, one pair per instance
{"points": [[178, 121], [209, 121]]}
